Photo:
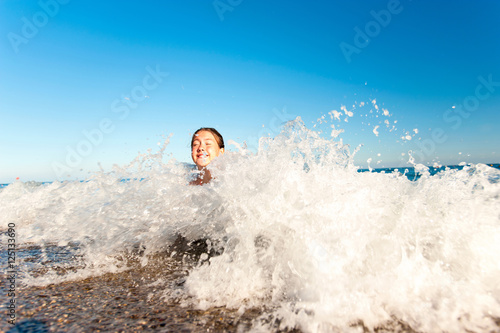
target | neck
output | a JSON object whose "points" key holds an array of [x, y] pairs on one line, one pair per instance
{"points": [[203, 178]]}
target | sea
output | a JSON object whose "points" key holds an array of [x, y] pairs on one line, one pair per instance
{"points": [[292, 238]]}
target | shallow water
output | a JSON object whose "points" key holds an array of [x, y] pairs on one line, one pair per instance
{"points": [[294, 237], [127, 301]]}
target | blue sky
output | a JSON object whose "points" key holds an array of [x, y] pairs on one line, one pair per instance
{"points": [[88, 82]]}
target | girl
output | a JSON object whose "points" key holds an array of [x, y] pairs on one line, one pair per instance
{"points": [[206, 144]]}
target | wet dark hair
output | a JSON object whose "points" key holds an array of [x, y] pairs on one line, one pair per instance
{"points": [[216, 134]]}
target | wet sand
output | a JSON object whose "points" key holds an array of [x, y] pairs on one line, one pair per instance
{"points": [[129, 301], [133, 301], [120, 302]]}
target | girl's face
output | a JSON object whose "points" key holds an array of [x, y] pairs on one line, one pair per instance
{"points": [[205, 148]]}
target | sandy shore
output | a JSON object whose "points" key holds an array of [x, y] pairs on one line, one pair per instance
{"points": [[130, 301], [120, 302]]}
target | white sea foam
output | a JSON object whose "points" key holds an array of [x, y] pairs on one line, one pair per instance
{"points": [[305, 236]]}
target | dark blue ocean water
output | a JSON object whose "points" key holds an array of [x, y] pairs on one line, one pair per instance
{"points": [[409, 172]]}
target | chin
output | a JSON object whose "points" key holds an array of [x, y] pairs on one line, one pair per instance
{"points": [[202, 165]]}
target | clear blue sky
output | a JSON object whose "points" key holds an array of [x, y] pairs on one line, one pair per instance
{"points": [[71, 67]]}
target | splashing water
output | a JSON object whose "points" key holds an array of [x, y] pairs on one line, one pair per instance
{"points": [[303, 236]]}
